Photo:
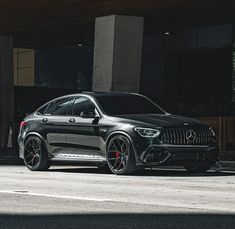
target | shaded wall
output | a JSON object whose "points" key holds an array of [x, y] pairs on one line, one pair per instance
{"points": [[190, 71], [65, 67]]}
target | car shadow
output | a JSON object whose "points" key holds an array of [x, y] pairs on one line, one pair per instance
{"points": [[147, 172], [82, 169], [183, 173]]}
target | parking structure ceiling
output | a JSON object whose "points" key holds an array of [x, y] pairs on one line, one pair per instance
{"points": [[50, 23]]}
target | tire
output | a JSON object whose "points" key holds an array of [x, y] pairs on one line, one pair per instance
{"points": [[35, 154], [198, 168], [120, 155]]}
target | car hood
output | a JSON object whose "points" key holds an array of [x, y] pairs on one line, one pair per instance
{"points": [[161, 120]]}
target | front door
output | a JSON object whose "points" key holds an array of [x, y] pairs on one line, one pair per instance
{"points": [[83, 140]]}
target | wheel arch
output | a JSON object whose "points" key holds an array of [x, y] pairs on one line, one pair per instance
{"points": [[30, 134], [126, 135]]}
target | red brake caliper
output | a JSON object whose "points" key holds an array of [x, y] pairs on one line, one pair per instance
{"points": [[117, 154]]}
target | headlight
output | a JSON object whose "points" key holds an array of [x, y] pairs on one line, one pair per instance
{"points": [[147, 132], [212, 131]]}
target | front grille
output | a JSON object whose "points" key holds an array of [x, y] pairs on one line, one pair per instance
{"points": [[177, 136]]}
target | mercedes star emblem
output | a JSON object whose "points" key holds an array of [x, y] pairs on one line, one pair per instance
{"points": [[190, 135]]}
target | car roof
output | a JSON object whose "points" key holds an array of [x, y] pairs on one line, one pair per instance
{"points": [[93, 94], [102, 94], [97, 94]]}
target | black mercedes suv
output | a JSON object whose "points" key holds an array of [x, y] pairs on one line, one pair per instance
{"points": [[121, 131]]}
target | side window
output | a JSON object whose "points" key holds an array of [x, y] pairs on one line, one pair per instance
{"points": [[42, 110], [50, 108], [61, 106], [82, 104]]}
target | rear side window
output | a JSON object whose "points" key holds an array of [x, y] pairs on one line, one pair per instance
{"points": [[61, 106], [50, 108], [42, 110], [58, 107]]}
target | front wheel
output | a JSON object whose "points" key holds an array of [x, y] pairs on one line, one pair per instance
{"points": [[35, 155], [120, 155], [198, 168]]}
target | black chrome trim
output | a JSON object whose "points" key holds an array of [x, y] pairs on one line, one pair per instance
{"points": [[171, 148]]}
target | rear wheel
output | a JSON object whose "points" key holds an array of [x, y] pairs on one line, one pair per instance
{"points": [[198, 168], [35, 155], [120, 155]]}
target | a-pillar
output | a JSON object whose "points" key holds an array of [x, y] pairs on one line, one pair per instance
{"points": [[6, 89], [117, 53]]}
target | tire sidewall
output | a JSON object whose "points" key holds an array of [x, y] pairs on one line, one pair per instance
{"points": [[42, 156], [131, 164]]}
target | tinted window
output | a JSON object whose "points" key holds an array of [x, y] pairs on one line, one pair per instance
{"points": [[42, 110], [82, 104], [127, 104], [61, 106], [50, 108]]}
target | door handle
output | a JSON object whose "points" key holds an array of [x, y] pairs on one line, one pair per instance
{"points": [[44, 120], [72, 120]]}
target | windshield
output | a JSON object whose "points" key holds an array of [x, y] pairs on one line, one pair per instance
{"points": [[128, 104]]}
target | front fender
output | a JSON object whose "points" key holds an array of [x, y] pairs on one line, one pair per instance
{"points": [[129, 138]]}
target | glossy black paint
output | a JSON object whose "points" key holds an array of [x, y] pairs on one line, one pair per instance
{"points": [[84, 138]]}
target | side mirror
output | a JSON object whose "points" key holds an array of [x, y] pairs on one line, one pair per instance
{"points": [[88, 114]]}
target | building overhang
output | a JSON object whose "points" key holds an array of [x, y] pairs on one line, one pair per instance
{"points": [[67, 21]]}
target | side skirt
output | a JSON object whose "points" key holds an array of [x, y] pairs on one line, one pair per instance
{"points": [[78, 158]]}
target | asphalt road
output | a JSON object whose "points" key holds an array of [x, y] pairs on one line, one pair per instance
{"points": [[84, 197]]}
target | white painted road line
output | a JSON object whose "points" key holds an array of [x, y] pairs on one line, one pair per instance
{"points": [[160, 204], [55, 196]]}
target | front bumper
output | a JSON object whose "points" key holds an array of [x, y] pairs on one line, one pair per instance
{"points": [[180, 155]]}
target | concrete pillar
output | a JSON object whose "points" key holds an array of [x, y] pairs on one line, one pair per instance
{"points": [[6, 89], [117, 53]]}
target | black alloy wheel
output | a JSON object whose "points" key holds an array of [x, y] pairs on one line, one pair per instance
{"points": [[120, 156], [35, 157]]}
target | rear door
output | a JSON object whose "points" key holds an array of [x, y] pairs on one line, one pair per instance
{"points": [[53, 125]]}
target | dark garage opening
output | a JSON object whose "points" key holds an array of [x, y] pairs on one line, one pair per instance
{"points": [[199, 82], [199, 75]]}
